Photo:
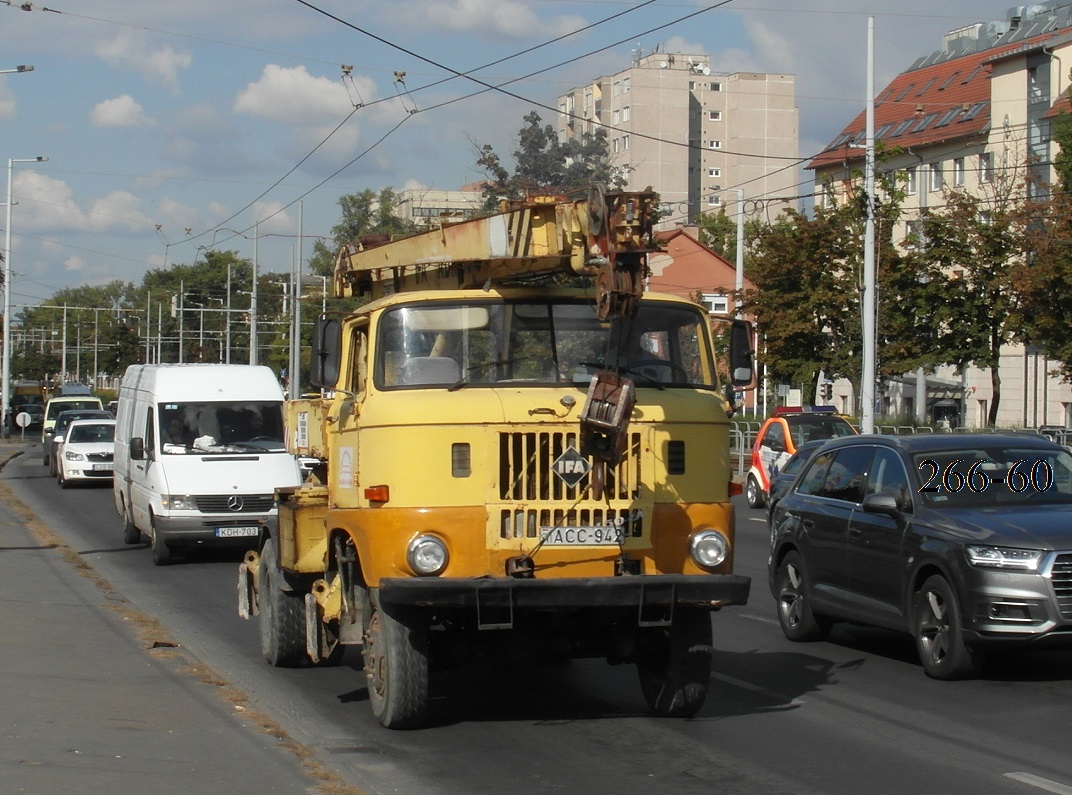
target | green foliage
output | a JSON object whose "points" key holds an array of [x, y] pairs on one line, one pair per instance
{"points": [[364, 214], [543, 165]]}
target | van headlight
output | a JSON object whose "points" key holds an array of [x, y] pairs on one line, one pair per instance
{"points": [[427, 555], [709, 549], [178, 502]]}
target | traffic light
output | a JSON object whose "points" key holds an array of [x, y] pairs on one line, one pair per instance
{"points": [[827, 390]]}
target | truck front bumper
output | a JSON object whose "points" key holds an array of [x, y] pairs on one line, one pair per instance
{"points": [[653, 596]]}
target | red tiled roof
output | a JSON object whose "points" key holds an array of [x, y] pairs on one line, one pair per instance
{"points": [[943, 102]]}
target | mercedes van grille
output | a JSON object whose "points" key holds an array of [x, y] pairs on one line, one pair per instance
{"points": [[235, 503]]}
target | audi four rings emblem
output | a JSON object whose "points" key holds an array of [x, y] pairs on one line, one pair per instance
{"points": [[234, 503]]}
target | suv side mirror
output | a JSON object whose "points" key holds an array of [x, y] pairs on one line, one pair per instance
{"points": [[882, 503]]}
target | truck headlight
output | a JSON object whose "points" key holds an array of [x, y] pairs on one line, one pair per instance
{"points": [[709, 549], [1004, 557], [427, 555]]}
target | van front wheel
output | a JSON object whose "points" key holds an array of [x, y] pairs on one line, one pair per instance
{"points": [[161, 551]]}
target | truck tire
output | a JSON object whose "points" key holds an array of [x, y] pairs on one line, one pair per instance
{"points": [[396, 667], [281, 615], [674, 664]]}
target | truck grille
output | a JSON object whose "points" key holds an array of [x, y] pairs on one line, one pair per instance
{"points": [[1061, 575], [526, 476], [244, 503]]}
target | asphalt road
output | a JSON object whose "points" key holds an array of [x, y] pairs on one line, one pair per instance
{"points": [[851, 714]]}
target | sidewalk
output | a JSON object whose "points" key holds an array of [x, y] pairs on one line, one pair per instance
{"points": [[87, 704]]}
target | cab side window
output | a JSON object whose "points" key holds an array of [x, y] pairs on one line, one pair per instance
{"points": [[358, 361]]}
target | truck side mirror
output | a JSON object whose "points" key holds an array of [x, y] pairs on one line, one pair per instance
{"points": [[741, 367], [326, 353]]}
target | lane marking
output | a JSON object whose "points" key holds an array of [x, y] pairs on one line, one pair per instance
{"points": [[1041, 783]]}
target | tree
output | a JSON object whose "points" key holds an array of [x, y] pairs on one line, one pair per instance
{"points": [[543, 165], [975, 252], [364, 214]]}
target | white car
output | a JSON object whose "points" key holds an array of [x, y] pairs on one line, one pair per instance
{"points": [[86, 452]]}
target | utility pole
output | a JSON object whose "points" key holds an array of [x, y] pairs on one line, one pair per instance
{"points": [[869, 302]]}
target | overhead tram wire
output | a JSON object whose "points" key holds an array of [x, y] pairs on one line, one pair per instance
{"points": [[419, 88]]}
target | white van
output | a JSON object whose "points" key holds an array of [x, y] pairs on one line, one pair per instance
{"points": [[198, 454]]}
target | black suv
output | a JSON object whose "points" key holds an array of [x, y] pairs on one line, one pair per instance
{"points": [[962, 540]]}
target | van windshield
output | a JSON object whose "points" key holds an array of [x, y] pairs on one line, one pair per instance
{"points": [[221, 427]]}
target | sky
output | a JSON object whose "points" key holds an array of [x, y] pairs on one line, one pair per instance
{"points": [[175, 128]]}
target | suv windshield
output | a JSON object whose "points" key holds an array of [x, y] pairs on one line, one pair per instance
{"points": [[994, 476], [540, 343]]}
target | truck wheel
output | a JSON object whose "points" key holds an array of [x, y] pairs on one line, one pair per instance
{"points": [[396, 666], [161, 551], [281, 615], [131, 533], [674, 663]]}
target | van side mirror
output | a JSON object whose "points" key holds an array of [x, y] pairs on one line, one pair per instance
{"points": [[326, 353], [137, 449]]}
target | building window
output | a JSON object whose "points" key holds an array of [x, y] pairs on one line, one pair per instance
{"points": [[714, 115], [958, 172], [625, 113], [714, 172], [625, 142], [716, 86], [625, 85], [937, 178], [692, 85], [713, 144], [587, 99], [910, 175], [986, 167], [714, 200], [915, 233], [716, 304], [614, 144], [617, 116], [985, 217], [617, 89]]}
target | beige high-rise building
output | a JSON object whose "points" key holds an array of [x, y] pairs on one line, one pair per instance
{"points": [[694, 135]]}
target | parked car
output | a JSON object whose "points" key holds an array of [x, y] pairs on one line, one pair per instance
{"points": [[964, 541], [87, 452], [781, 435], [64, 419]]}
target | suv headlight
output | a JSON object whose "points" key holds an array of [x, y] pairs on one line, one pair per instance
{"points": [[1004, 557], [709, 549], [427, 555]]}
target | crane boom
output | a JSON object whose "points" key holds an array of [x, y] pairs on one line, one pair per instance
{"points": [[606, 237]]}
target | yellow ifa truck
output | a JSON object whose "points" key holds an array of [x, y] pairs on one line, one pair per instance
{"points": [[508, 468]]}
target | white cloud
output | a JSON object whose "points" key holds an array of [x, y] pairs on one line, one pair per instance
{"points": [[7, 101], [486, 17], [133, 53], [74, 264], [50, 204], [293, 96], [122, 111], [273, 218]]}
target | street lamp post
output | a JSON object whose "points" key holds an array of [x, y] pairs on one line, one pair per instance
{"points": [[5, 392]]}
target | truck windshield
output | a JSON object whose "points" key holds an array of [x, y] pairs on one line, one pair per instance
{"points": [[539, 343], [207, 427]]}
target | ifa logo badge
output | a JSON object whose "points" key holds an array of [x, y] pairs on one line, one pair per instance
{"points": [[571, 466]]}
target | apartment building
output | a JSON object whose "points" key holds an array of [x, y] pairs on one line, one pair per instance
{"points": [[427, 207], [694, 135], [971, 116]]}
